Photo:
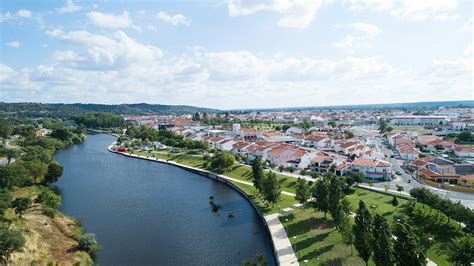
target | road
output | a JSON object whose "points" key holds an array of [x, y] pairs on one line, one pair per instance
{"points": [[408, 182]]}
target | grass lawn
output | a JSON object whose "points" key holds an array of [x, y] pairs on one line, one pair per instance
{"points": [[316, 240], [316, 237]]}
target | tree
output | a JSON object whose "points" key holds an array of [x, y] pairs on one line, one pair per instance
{"points": [[21, 204], [5, 200], [257, 173], [357, 176], [465, 136], [5, 128], [37, 170], [383, 126], [271, 188], [222, 161], [461, 250], [281, 168], [335, 196], [321, 195], [345, 229], [55, 171], [394, 201], [10, 241], [382, 243], [49, 199], [62, 134], [332, 123], [303, 191], [88, 243], [362, 232], [9, 153], [407, 246]]}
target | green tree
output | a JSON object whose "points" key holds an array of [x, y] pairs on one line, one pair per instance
{"points": [[257, 261], [465, 136], [222, 161], [461, 250], [382, 126], [49, 199], [5, 200], [257, 173], [55, 171], [37, 170], [382, 243], [332, 123], [303, 191], [321, 195], [88, 243], [10, 241], [357, 176], [271, 188], [5, 128], [407, 246], [21, 204], [345, 229], [394, 201], [62, 134], [362, 232]]}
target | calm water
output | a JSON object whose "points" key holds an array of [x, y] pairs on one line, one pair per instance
{"points": [[150, 213]]}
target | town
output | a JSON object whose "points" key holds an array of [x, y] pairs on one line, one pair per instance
{"points": [[405, 149]]}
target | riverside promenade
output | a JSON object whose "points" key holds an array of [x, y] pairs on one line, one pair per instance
{"points": [[281, 244]]}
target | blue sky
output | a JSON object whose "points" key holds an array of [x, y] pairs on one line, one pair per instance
{"points": [[237, 53]]}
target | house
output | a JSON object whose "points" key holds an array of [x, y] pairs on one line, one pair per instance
{"points": [[314, 140], [294, 130], [418, 120], [343, 169], [374, 169], [408, 151], [295, 159], [467, 180], [279, 155], [225, 144], [440, 144], [452, 178], [463, 151], [425, 139], [321, 163], [240, 148]]}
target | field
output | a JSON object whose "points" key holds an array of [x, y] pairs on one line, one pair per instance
{"points": [[317, 240]]}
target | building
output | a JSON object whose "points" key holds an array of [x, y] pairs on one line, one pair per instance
{"points": [[418, 120], [373, 169]]}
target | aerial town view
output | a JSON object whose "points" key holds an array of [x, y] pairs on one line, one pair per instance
{"points": [[237, 132]]}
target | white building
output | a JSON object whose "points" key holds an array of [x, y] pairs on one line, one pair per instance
{"points": [[418, 120], [374, 169]]}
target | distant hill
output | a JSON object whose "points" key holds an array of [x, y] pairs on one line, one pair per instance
{"points": [[34, 110], [416, 105]]}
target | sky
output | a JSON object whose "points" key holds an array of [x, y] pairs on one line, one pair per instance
{"points": [[236, 53]]}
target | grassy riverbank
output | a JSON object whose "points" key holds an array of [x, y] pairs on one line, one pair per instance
{"points": [[49, 238]]}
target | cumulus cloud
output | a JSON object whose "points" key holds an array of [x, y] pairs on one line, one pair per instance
{"points": [[14, 44], [69, 7], [22, 13], [295, 13], [367, 28], [110, 52], [174, 20], [111, 21], [365, 33]]}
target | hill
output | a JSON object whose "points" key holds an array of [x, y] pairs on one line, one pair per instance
{"points": [[59, 110]]}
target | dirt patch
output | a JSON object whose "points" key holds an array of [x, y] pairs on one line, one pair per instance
{"points": [[49, 240]]}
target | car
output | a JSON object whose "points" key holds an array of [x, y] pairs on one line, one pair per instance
{"points": [[399, 173]]}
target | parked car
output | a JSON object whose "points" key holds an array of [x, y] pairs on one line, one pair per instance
{"points": [[398, 172]]}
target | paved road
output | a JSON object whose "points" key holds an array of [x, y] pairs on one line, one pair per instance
{"points": [[408, 182]]}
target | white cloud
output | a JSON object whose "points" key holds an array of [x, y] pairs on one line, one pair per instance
{"points": [[377, 5], [116, 51], [350, 43], [367, 28], [174, 20], [22, 13], [468, 26], [295, 13], [111, 21], [423, 10], [69, 7], [14, 44]]}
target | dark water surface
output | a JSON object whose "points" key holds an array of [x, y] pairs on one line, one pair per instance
{"points": [[146, 213]]}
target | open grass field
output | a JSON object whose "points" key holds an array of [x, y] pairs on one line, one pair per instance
{"points": [[317, 240]]}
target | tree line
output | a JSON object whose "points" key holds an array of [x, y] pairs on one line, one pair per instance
{"points": [[100, 120], [33, 166]]}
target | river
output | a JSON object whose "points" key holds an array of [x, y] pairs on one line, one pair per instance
{"points": [[145, 213]]}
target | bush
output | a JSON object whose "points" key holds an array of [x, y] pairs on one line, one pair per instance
{"points": [[88, 243]]}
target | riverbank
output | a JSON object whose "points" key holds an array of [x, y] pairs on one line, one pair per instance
{"points": [[282, 248]]}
